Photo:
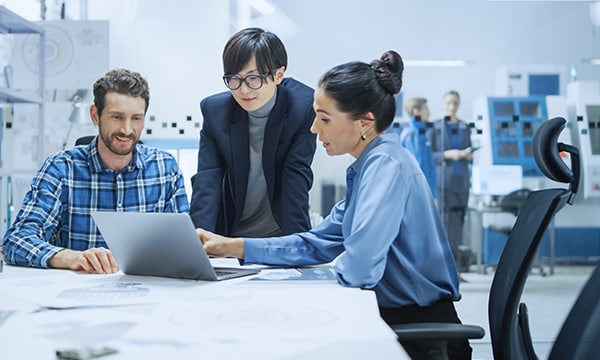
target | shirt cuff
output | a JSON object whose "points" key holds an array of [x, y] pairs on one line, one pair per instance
{"points": [[49, 252], [253, 251]]}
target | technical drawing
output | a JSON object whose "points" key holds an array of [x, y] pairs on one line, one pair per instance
{"points": [[116, 291]]}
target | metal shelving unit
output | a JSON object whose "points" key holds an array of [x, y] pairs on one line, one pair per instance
{"points": [[12, 24]]}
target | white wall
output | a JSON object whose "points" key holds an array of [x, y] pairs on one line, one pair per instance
{"points": [[177, 44], [488, 33]]}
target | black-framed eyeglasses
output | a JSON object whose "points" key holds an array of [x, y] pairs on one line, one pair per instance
{"points": [[254, 82]]}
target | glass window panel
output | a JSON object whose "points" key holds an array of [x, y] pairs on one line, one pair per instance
{"points": [[527, 128], [506, 129], [528, 148], [503, 108], [508, 149], [530, 108]]}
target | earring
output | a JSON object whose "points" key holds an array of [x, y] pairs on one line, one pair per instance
{"points": [[363, 137]]}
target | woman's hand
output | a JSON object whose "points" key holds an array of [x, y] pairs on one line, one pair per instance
{"points": [[221, 246]]}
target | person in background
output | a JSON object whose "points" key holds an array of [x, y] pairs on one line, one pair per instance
{"points": [[451, 145], [256, 148], [54, 227], [415, 137], [386, 235]]}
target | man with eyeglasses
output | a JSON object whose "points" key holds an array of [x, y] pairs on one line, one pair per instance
{"points": [[256, 148]]}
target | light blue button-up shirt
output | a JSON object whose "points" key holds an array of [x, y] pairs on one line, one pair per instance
{"points": [[387, 233]]}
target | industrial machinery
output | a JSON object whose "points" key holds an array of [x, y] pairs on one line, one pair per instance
{"points": [[505, 128], [583, 108], [503, 168]]}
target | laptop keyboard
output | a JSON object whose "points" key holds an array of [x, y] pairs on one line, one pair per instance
{"points": [[224, 273]]}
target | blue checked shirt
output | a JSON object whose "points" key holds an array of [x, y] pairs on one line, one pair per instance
{"points": [[56, 212]]}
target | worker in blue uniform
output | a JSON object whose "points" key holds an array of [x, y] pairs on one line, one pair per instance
{"points": [[416, 137]]}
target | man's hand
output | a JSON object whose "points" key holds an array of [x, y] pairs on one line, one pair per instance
{"points": [[92, 261], [456, 154], [221, 246]]}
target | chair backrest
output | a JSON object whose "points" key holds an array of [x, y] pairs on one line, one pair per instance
{"points": [[509, 330], [513, 202], [84, 140], [579, 337]]}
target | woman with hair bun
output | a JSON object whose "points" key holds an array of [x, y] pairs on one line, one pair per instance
{"points": [[386, 234]]}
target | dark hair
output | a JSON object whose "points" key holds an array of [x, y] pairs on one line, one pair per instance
{"points": [[452, 92], [358, 87], [121, 81], [266, 47]]}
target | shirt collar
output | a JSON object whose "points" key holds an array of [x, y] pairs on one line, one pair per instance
{"points": [[358, 163], [96, 164]]}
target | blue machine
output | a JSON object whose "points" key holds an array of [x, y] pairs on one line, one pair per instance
{"points": [[504, 130], [505, 127]]}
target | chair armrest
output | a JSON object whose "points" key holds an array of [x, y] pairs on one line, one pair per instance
{"points": [[523, 317], [435, 331]]}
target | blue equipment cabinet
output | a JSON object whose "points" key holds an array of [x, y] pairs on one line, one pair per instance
{"points": [[512, 124]]}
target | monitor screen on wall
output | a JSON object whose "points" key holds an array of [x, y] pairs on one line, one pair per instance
{"points": [[544, 84]]}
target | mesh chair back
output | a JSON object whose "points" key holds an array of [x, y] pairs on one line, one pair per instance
{"points": [[509, 329]]}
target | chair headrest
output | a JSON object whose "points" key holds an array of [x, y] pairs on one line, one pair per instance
{"points": [[546, 150]]}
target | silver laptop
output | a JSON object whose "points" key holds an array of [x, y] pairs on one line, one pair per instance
{"points": [[159, 244]]}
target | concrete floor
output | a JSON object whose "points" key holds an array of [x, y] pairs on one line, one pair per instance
{"points": [[548, 298]]}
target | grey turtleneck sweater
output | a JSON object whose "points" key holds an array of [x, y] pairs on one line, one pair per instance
{"points": [[257, 218]]}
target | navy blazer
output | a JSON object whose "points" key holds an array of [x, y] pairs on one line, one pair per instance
{"points": [[219, 187]]}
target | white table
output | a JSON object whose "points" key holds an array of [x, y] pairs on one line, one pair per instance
{"points": [[159, 318]]}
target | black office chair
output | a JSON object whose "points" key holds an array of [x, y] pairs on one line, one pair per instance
{"points": [[579, 337], [84, 140], [508, 321], [513, 201]]}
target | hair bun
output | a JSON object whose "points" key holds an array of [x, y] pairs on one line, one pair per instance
{"points": [[389, 69]]}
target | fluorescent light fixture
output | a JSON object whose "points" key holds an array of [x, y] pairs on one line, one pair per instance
{"points": [[262, 6], [593, 61], [436, 63]]}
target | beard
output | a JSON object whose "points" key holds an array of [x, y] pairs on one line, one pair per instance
{"points": [[107, 139]]}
